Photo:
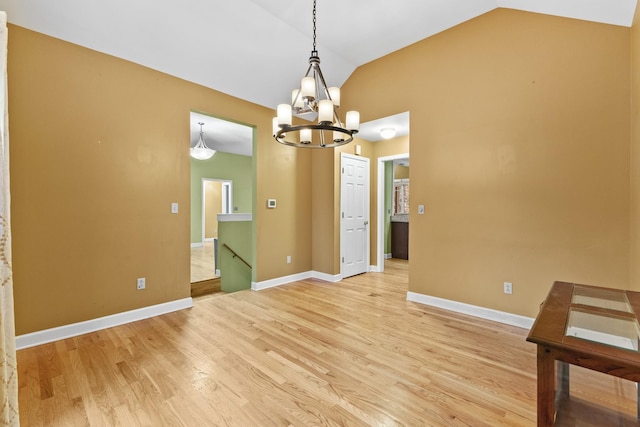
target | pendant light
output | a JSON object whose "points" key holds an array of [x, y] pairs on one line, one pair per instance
{"points": [[200, 151]]}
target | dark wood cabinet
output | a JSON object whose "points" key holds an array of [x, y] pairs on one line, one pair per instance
{"points": [[400, 240]]}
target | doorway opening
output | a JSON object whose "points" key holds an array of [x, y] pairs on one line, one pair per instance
{"points": [[386, 195], [217, 199], [222, 184]]}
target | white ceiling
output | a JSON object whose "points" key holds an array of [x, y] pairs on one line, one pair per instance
{"points": [[370, 131], [258, 50], [222, 135]]}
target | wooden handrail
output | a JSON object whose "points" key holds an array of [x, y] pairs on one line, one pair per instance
{"points": [[235, 254]]}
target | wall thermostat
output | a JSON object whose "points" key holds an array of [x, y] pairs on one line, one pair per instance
{"points": [[271, 203]]}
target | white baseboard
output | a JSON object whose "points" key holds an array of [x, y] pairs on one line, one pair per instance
{"points": [[374, 269], [197, 245], [473, 310], [279, 281], [80, 328], [210, 239], [333, 278], [387, 256], [218, 273]]}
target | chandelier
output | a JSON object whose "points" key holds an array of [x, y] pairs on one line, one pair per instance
{"points": [[200, 151], [314, 100]]}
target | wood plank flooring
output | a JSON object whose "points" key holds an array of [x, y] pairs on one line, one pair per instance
{"points": [[202, 263], [311, 353]]}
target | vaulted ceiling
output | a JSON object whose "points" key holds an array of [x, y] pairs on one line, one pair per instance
{"points": [[257, 50]]}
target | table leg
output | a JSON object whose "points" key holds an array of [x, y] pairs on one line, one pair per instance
{"points": [[546, 387], [562, 383]]}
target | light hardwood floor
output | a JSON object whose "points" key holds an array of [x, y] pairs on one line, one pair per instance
{"points": [[354, 353], [202, 263]]}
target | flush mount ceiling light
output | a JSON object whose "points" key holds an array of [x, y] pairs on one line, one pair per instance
{"points": [[200, 151], [312, 99], [387, 133]]}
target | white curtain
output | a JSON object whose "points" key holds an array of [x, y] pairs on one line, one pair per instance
{"points": [[8, 367]]}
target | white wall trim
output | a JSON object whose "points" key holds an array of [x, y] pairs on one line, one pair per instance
{"points": [[374, 269], [279, 281], [333, 278], [235, 217], [80, 328], [473, 310], [387, 256], [197, 245]]}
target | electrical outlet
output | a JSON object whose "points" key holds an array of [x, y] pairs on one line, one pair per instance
{"points": [[288, 259], [140, 283], [508, 288]]}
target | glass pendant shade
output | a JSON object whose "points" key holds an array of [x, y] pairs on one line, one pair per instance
{"points": [[200, 151]]}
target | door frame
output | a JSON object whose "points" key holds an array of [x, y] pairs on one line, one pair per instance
{"points": [[226, 185], [380, 208]]}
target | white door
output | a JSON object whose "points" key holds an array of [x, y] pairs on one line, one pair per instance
{"points": [[354, 216]]}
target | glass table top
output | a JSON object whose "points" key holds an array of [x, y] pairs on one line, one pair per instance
{"points": [[611, 299], [622, 332], [614, 327]]}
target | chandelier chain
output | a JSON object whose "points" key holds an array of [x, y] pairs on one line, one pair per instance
{"points": [[314, 26]]}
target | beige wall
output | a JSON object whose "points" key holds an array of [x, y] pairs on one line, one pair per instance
{"points": [[400, 172], [99, 151], [325, 259], [212, 207], [635, 154], [520, 125]]}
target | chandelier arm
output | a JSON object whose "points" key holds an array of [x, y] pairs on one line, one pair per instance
{"points": [[308, 69], [295, 100], [286, 129], [320, 77], [317, 82]]}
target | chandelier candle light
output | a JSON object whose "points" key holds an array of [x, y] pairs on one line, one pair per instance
{"points": [[314, 98]]}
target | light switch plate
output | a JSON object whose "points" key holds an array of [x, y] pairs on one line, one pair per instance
{"points": [[420, 209], [271, 203], [174, 208]]}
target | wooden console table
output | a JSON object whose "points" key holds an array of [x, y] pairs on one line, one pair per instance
{"points": [[593, 327]]}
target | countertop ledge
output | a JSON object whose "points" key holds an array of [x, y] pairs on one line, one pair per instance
{"points": [[400, 218]]}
